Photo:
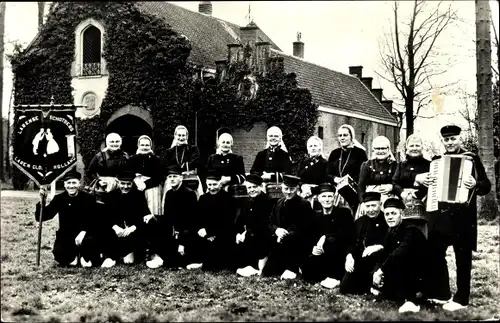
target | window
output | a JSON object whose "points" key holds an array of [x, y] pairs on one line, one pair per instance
{"points": [[91, 51], [320, 133], [363, 137]]}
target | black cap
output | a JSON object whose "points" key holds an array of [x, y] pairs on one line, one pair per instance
{"points": [[371, 196], [72, 174], [126, 175], [325, 187], [254, 179], [213, 174], [450, 130], [174, 169], [290, 180], [394, 202]]}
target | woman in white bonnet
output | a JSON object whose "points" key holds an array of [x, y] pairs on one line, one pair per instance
{"points": [[273, 160], [109, 162], [149, 173]]}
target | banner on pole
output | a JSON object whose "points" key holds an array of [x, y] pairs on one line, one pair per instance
{"points": [[44, 141]]}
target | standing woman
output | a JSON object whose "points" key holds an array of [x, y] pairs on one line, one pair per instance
{"points": [[411, 186], [376, 173], [347, 159], [228, 165], [148, 172], [313, 169], [186, 156], [274, 159], [109, 162]]}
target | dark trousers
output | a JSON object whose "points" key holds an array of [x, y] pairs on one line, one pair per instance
{"points": [[288, 254], [249, 252], [317, 268], [438, 279], [65, 250], [400, 284], [360, 280]]}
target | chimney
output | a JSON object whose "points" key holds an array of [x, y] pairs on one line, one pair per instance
{"points": [[298, 47], [234, 52], [378, 94], [367, 81], [249, 34], [356, 70], [205, 7], [262, 51], [388, 105]]}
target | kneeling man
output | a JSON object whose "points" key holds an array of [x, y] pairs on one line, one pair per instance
{"points": [[289, 224], [252, 224], [76, 237], [333, 233], [403, 254], [128, 206]]}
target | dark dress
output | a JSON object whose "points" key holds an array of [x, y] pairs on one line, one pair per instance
{"points": [[404, 178], [76, 214], [254, 219], [296, 216], [216, 214], [455, 225], [369, 232], [402, 261], [348, 161], [313, 171], [148, 165], [107, 163], [179, 217], [375, 172], [185, 156], [272, 161], [228, 165], [127, 210], [338, 229]]}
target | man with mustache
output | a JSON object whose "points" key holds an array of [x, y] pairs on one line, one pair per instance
{"points": [[403, 255], [456, 225], [76, 237]]}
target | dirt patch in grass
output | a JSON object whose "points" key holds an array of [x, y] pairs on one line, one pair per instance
{"points": [[139, 294]]}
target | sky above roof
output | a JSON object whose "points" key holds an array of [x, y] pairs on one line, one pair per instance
{"points": [[337, 34]]}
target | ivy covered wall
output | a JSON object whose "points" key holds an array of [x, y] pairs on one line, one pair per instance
{"points": [[148, 67]]}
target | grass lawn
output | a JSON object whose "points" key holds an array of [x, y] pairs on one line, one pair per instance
{"points": [[139, 294]]}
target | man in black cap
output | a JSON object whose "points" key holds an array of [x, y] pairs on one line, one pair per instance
{"points": [[128, 206], [290, 226], [76, 237], [333, 234], [214, 225], [252, 226], [179, 207], [398, 270], [371, 229], [456, 225]]}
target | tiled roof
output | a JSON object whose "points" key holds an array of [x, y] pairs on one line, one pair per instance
{"points": [[334, 89], [209, 36]]}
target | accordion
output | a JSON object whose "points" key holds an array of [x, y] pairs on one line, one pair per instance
{"points": [[348, 188], [449, 171]]}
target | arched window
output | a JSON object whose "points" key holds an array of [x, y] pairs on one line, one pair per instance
{"points": [[91, 54]]}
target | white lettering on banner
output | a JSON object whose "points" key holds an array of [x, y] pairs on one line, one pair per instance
{"points": [[66, 122], [64, 165], [27, 122]]}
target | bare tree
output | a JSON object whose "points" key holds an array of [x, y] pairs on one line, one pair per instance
{"points": [[485, 101], [407, 55]]}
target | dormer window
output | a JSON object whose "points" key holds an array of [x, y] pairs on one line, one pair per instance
{"points": [[91, 51], [89, 37]]}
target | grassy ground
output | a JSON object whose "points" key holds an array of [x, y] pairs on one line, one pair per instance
{"points": [[139, 294]]}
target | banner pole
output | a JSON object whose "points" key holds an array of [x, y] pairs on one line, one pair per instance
{"points": [[39, 243]]}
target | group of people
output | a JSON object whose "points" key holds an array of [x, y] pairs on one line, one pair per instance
{"points": [[275, 221]]}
